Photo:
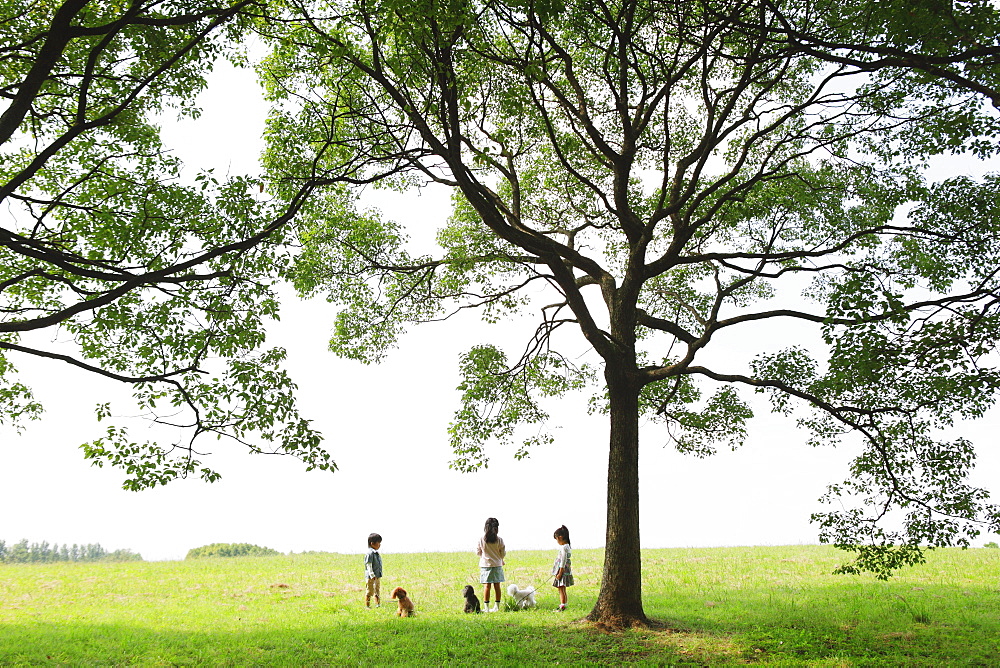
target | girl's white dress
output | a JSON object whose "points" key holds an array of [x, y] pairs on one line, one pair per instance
{"points": [[564, 560]]}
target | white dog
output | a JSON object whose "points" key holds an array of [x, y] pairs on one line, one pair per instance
{"points": [[523, 598]]}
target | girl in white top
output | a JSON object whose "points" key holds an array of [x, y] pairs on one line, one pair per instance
{"points": [[491, 551], [562, 569]]}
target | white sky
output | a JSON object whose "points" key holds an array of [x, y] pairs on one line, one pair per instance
{"points": [[386, 427]]}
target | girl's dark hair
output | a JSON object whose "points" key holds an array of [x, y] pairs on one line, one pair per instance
{"points": [[562, 531], [374, 538], [491, 529]]}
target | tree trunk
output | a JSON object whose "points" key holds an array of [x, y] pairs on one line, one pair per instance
{"points": [[619, 603]]}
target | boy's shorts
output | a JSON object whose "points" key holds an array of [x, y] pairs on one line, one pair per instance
{"points": [[373, 587]]}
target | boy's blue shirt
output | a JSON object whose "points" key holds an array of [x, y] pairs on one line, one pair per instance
{"points": [[373, 564]]}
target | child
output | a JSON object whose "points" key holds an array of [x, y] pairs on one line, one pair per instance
{"points": [[562, 569], [373, 570], [491, 552]]}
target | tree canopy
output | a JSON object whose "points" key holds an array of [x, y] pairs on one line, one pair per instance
{"points": [[223, 550], [114, 261], [670, 173]]}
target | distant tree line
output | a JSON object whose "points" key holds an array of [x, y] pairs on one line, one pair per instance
{"points": [[24, 552], [230, 550]]}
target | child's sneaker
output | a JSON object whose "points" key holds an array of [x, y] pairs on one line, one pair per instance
{"points": [[561, 608], [495, 608]]}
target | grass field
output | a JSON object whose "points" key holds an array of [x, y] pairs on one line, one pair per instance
{"points": [[769, 606]]}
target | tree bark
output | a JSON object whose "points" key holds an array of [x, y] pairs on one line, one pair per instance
{"points": [[619, 603]]}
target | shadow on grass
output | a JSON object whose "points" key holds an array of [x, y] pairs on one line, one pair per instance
{"points": [[839, 625], [419, 641], [835, 626]]}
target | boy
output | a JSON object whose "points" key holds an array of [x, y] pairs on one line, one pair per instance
{"points": [[373, 570]]}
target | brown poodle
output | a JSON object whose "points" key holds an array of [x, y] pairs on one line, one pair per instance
{"points": [[405, 604]]}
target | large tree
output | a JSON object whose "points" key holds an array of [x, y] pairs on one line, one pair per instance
{"points": [[672, 173], [114, 261]]}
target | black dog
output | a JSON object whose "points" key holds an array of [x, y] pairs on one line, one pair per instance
{"points": [[471, 600]]}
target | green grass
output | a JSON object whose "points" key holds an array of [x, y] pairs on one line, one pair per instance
{"points": [[773, 606]]}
